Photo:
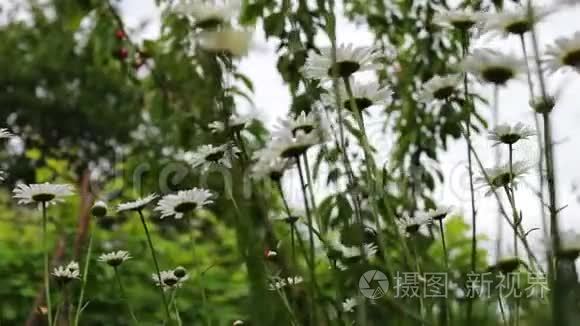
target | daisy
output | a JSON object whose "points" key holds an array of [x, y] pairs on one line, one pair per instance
{"points": [[410, 226], [492, 66], [42, 193], [289, 281], [516, 21], [230, 41], [65, 274], [509, 135], [208, 14], [569, 245], [349, 304], [206, 156], [564, 54], [99, 209], [136, 205], [507, 264], [543, 105], [440, 87], [181, 273], [115, 258], [293, 144], [500, 176], [184, 201], [462, 19], [5, 133], [365, 95], [349, 60], [238, 322], [294, 280], [439, 213], [272, 168], [305, 122], [236, 123], [168, 280]]}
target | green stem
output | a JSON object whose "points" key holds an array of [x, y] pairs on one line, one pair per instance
{"points": [[46, 264], [310, 190], [516, 223], [84, 280], [446, 258], [157, 270], [465, 49], [124, 296], [312, 266]]}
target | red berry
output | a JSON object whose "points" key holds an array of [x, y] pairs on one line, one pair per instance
{"points": [[120, 35], [121, 53]]}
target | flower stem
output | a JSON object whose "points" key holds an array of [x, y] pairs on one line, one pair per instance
{"points": [[516, 223], [469, 104], [46, 264], [312, 266], [84, 280], [446, 258], [497, 159], [124, 296], [157, 270]]}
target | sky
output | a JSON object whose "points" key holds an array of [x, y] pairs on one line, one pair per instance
{"points": [[272, 101]]}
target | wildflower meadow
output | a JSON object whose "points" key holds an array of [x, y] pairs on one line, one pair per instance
{"points": [[142, 184]]}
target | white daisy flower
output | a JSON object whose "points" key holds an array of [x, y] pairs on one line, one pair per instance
{"points": [[136, 205], [410, 226], [349, 60], [569, 245], [270, 253], [349, 304], [439, 87], [303, 122], [236, 123], [206, 156], [168, 280], [42, 193], [543, 105], [564, 54], [500, 176], [181, 274], [458, 18], [294, 280], [493, 66], [233, 42], [5, 133], [115, 258], [272, 168], [238, 322], [184, 201], [99, 209], [509, 135], [208, 14], [290, 145], [440, 213], [289, 281], [65, 274], [365, 95], [507, 264], [514, 21]]}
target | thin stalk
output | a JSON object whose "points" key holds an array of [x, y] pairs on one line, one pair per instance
{"points": [[84, 280], [539, 137], [559, 312], [497, 159], [291, 223], [311, 241], [501, 309], [516, 223], [124, 296], [419, 270], [446, 258], [157, 270], [46, 263], [465, 49], [310, 190]]}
